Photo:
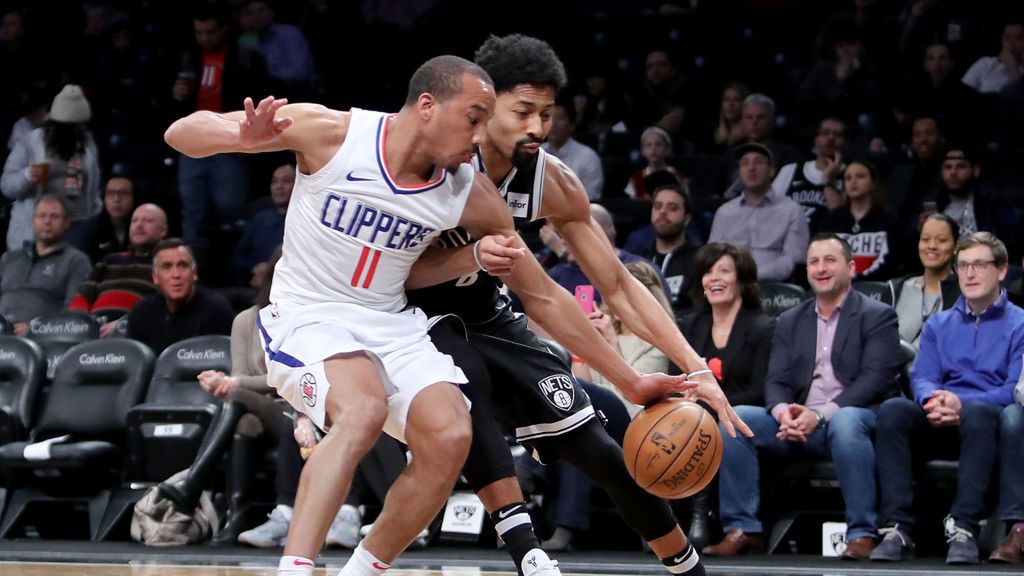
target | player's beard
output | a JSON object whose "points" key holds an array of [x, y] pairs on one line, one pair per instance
{"points": [[521, 158]]}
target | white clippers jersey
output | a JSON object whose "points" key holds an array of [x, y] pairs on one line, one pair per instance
{"points": [[352, 234]]}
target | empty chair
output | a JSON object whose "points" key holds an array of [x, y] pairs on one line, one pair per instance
{"points": [[57, 332], [880, 291], [777, 297], [75, 451], [22, 369]]}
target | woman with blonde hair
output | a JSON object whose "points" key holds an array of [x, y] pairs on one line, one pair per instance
{"points": [[729, 131]]}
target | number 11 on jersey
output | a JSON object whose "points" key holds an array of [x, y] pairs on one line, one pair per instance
{"points": [[362, 264]]}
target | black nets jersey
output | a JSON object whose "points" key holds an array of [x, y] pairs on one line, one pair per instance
{"points": [[474, 297]]}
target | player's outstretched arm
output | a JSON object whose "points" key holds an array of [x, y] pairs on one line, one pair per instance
{"points": [[556, 311], [567, 207], [269, 126]]}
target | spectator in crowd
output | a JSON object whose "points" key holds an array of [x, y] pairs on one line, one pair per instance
{"points": [[728, 328], [990, 74], [638, 353], [41, 277], [60, 158], [974, 206], [937, 92], [107, 232], [868, 226], [215, 75], [727, 324], [121, 279], [843, 85], [659, 100], [580, 158], [568, 274], [963, 385], [758, 121], [656, 148], [670, 249], [918, 298], [284, 48], [817, 184], [818, 404], [602, 108], [772, 227], [181, 309], [915, 180], [729, 131], [265, 230]]}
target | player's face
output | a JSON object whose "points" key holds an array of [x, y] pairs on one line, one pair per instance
{"points": [[719, 283], [174, 273], [461, 122], [828, 272], [521, 121]]}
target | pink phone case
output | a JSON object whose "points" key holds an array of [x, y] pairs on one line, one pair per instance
{"points": [[585, 296]]}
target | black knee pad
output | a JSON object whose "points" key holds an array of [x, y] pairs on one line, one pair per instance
{"points": [[592, 450]]}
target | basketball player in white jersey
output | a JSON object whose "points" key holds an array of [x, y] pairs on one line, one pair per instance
{"points": [[372, 191]]}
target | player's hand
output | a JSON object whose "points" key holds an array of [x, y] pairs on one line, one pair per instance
{"points": [[711, 393], [651, 388], [260, 125], [499, 254]]}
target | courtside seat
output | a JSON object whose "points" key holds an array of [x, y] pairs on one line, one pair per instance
{"points": [[58, 332], [880, 291], [777, 297], [164, 433], [22, 367], [74, 452]]}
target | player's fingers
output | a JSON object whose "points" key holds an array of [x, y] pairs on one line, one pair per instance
{"points": [[275, 105], [282, 123], [738, 422], [250, 112], [264, 105]]}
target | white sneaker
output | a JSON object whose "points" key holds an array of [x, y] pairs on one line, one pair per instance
{"points": [[537, 563], [344, 530], [273, 532]]}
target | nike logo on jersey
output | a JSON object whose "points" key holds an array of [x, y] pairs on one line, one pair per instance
{"points": [[351, 177]]}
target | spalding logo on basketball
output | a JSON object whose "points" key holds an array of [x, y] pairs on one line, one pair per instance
{"points": [[308, 389], [673, 449], [559, 391]]}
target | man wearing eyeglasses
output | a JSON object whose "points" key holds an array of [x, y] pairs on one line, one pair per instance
{"points": [[963, 382]]}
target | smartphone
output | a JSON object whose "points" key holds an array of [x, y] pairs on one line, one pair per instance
{"points": [[585, 296]]}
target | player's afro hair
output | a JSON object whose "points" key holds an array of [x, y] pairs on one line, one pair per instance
{"points": [[517, 59]]}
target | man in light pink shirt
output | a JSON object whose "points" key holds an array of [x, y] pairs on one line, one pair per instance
{"points": [[834, 360]]}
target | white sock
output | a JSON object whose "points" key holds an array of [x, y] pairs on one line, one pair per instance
{"points": [[285, 510], [363, 563], [295, 566]]}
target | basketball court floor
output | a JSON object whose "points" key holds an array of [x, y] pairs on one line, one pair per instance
{"points": [[75, 558]]}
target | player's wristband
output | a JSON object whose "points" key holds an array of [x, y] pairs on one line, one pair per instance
{"points": [[476, 256], [698, 373]]}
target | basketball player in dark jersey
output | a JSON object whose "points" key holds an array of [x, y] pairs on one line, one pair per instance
{"points": [[534, 395]]}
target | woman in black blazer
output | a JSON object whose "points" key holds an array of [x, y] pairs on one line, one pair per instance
{"points": [[726, 325], [728, 328]]}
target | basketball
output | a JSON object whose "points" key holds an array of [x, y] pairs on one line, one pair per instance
{"points": [[673, 449]]}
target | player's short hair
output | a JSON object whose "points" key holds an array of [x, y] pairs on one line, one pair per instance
{"points": [[517, 59], [441, 76]]}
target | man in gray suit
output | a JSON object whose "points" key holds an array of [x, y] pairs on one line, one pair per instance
{"points": [[834, 360]]}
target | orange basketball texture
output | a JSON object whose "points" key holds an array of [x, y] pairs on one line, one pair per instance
{"points": [[673, 448]]}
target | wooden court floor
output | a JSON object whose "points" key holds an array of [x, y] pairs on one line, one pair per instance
{"points": [[145, 569]]}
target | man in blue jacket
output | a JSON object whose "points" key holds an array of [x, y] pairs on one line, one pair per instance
{"points": [[834, 360], [963, 382]]}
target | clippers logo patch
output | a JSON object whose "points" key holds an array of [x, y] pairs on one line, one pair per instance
{"points": [[309, 389], [518, 204], [559, 391]]}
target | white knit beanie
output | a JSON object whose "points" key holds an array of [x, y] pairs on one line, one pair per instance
{"points": [[70, 106]]}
